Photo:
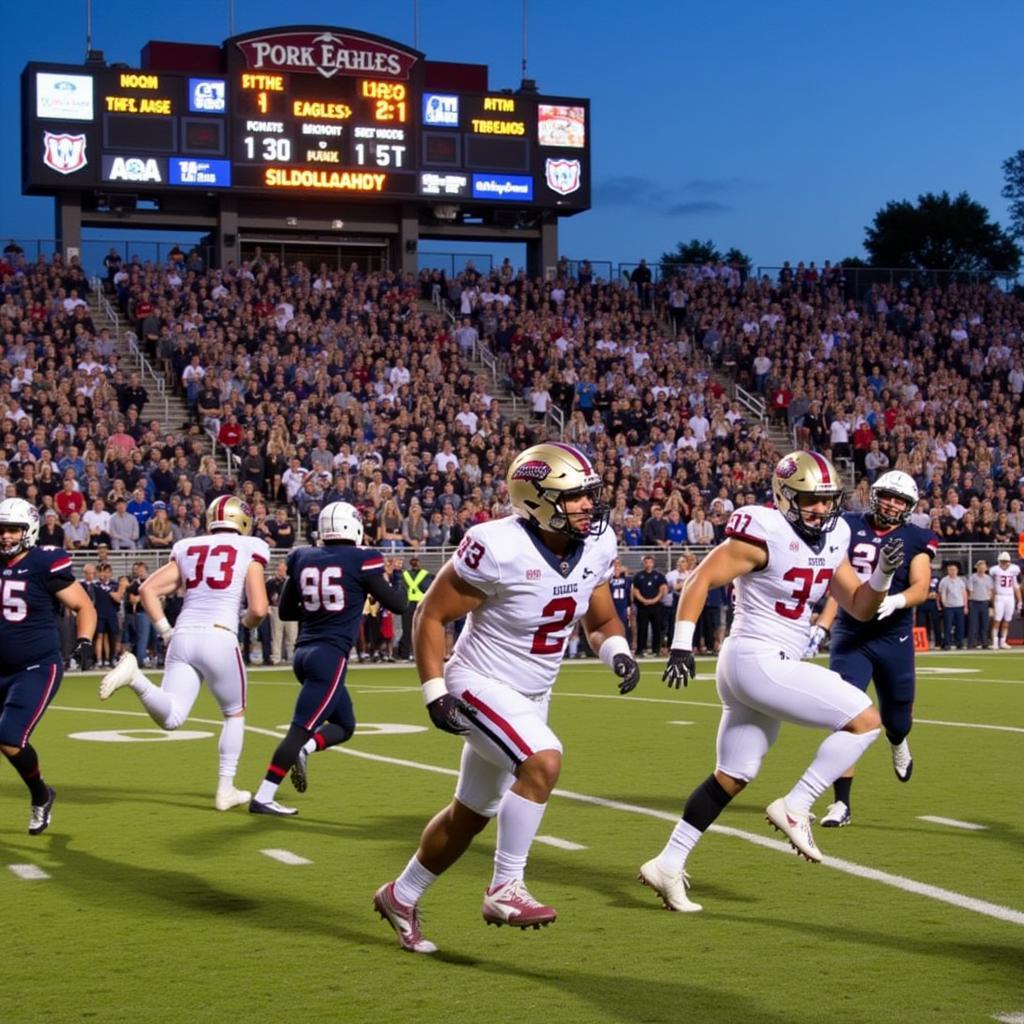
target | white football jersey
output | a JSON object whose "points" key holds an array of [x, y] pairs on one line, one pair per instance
{"points": [[774, 604], [1004, 579], [534, 597], [213, 569]]}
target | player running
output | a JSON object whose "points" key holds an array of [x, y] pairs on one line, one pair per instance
{"points": [[883, 648], [782, 560], [217, 571], [34, 583], [1007, 600], [524, 581], [326, 589]]}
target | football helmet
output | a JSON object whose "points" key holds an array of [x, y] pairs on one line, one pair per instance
{"points": [[895, 484], [340, 521], [1004, 556], [807, 473], [229, 513], [19, 512], [540, 480]]}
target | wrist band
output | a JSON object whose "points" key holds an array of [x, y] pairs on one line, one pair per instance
{"points": [[433, 688], [162, 626], [682, 636], [613, 645], [880, 581]]}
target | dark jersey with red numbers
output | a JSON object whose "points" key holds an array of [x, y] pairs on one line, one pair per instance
{"points": [[29, 609], [331, 584]]}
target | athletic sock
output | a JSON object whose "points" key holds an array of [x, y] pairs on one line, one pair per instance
{"points": [[413, 882], [330, 735], [518, 821], [232, 736], [842, 787], [26, 763], [702, 807], [837, 754]]}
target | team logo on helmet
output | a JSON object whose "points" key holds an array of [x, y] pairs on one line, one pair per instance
{"points": [[786, 468], [535, 469]]}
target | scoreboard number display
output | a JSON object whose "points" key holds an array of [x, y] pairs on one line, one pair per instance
{"points": [[305, 112]]}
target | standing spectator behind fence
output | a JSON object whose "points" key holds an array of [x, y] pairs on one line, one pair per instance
{"points": [[283, 634], [980, 590], [953, 600], [649, 587]]}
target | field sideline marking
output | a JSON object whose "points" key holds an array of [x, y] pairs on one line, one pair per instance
{"points": [[28, 872], [934, 892], [285, 857], [559, 844], [952, 822]]}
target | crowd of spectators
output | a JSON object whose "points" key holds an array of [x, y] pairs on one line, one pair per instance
{"points": [[346, 385]]}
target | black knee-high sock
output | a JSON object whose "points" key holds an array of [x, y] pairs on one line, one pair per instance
{"points": [[330, 735], [705, 804], [286, 754], [26, 764], [842, 788]]}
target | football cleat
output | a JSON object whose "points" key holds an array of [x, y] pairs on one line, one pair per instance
{"points": [[271, 807], [511, 903], [405, 920], [795, 827], [39, 819], [902, 761], [298, 774], [837, 815], [120, 675], [671, 888], [228, 797]]}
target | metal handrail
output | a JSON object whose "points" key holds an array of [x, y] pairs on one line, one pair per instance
{"points": [[750, 401]]}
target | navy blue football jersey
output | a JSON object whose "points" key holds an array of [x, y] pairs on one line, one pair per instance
{"points": [[28, 609], [865, 544], [620, 587], [331, 588]]}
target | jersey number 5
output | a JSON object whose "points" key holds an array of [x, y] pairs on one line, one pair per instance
{"points": [[12, 602], [805, 580]]}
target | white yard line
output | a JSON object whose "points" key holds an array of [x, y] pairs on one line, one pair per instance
{"points": [[952, 823], [28, 872], [559, 844], [955, 899], [285, 857]]}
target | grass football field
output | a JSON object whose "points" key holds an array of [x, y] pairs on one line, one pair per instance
{"points": [[142, 903]]}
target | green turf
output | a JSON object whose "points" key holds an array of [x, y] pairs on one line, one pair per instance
{"points": [[160, 909]]}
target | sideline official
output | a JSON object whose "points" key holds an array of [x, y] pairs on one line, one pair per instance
{"points": [[417, 580]]}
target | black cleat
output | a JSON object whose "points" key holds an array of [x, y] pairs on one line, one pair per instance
{"points": [[298, 774], [271, 807]]}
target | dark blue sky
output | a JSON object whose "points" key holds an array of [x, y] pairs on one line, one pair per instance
{"points": [[777, 128]]}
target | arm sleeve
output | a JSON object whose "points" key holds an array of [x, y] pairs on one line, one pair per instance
{"points": [[289, 607], [380, 590]]}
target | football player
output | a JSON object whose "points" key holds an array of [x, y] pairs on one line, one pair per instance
{"points": [[34, 582], [523, 581], [1007, 600], [216, 571], [325, 592], [883, 648], [783, 560]]}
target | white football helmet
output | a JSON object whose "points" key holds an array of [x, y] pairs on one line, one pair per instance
{"points": [[894, 484], [542, 477], [801, 473], [229, 513], [340, 521], [22, 513], [1003, 559]]}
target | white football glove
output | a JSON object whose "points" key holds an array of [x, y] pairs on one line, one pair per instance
{"points": [[893, 603], [819, 634]]}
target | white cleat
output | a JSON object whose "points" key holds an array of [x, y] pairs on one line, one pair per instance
{"points": [[795, 827], [229, 797], [671, 888], [120, 675], [902, 761], [837, 816]]}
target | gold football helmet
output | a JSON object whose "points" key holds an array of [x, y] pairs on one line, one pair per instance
{"points": [[807, 473], [540, 480], [229, 513]]}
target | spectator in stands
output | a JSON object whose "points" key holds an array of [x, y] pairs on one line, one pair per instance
{"points": [[76, 533], [69, 499], [281, 530], [699, 531], [51, 533], [159, 533], [124, 528]]}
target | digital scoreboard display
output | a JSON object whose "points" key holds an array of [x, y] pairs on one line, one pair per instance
{"points": [[303, 112]]}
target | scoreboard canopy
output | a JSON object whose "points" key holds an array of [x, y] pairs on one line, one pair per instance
{"points": [[306, 112]]}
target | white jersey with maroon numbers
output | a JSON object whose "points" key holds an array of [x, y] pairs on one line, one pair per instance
{"points": [[1005, 596], [774, 604], [213, 570], [534, 597]]}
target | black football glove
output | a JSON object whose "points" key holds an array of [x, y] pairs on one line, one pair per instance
{"points": [[626, 668], [84, 654], [681, 668], [892, 555], [446, 713]]}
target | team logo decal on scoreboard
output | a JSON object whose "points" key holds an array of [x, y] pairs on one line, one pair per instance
{"points": [[562, 176], [326, 53], [207, 96], [132, 168], [64, 153]]}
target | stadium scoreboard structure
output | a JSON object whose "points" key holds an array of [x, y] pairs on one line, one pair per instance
{"points": [[307, 113]]}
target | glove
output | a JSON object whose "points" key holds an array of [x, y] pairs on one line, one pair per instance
{"points": [[626, 668], [84, 654], [891, 604], [819, 634], [891, 555], [446, 713], [681, 668]]}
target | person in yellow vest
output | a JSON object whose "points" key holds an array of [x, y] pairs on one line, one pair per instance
{"points": [[416, 580]]}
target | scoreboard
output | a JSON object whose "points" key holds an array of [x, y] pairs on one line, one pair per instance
{"points": [[304, 112]]}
